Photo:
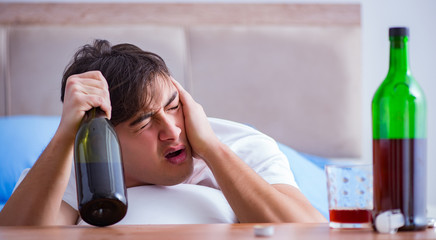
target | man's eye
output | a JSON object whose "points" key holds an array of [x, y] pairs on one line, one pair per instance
{"points": [[174, 108], [144, 125]]}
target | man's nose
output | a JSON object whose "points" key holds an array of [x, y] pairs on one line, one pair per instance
{"points": [[169, 130]]}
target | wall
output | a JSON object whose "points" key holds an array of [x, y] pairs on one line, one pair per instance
{"points": [[419, 16]]}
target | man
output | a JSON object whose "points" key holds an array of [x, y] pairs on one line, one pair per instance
{"points": [[160, 128]]}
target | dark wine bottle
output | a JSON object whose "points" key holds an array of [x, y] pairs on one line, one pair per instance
{"points": [[101, 191]]}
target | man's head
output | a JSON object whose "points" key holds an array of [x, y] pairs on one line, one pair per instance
{"points": [[146, 112], [129, 71]]}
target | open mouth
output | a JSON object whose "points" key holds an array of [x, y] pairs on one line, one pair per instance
{"points": [[176, 156]]}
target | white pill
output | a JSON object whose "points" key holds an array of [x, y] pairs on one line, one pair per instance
{"points": [[431, 222], [263, 231], [389, 221]]}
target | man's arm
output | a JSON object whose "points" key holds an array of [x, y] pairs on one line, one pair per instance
{"points": [[38, 199], [250, 196]]}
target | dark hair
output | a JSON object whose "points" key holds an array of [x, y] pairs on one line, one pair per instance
{"points": [[129, 71]]}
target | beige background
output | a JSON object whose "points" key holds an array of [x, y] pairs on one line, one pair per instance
{"points": [[291, 71]]}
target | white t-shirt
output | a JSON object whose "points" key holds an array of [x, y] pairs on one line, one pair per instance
{"points": [[198, 199], [258, 150]]}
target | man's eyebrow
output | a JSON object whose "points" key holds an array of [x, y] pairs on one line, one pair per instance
{"points": [[142, 117], [172, 98]]}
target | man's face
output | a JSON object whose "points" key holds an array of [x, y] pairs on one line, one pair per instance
{"points": [[154, 146]]}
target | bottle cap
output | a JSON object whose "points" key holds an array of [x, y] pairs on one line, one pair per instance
{"points": [[389, 221], [398, 32]]}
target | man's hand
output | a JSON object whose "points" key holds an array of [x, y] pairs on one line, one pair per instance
{"points": [[250, 196], [83, 92], [198, 130], [48, 178]]}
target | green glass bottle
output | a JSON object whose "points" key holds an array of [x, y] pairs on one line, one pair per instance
{"points": [[400, 139], [101, 191]]}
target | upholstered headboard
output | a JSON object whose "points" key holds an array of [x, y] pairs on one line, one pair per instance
{"points": [[290, 70]]}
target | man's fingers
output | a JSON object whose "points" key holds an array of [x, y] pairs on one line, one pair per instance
{"points": [[178, 86], [92, 88], [184, 95], [93, 77]]}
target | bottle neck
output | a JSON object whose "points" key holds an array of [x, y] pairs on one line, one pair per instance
{"points": [[94, 113], [399, 59]]}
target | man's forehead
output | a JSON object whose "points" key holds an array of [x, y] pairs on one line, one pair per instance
{"points": [[164, 101], [159, 93], [163, 95]]}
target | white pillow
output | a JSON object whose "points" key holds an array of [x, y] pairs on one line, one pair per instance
{"points": [[179, 204]]}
